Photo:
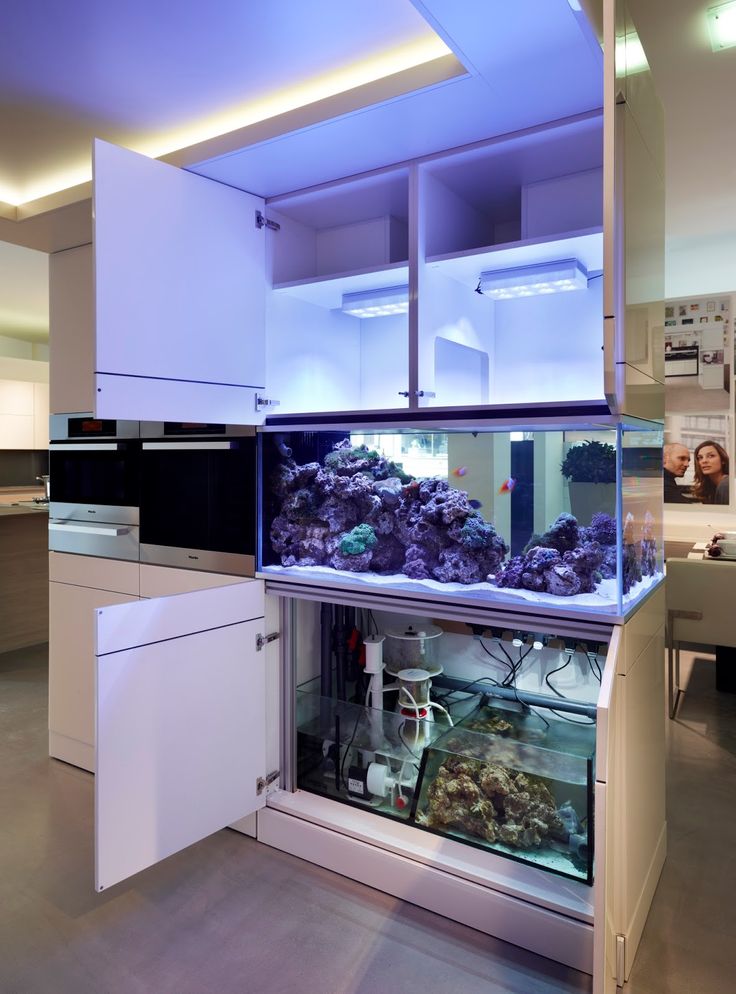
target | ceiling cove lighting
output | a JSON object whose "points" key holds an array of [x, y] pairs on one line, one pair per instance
{"points": [[531, 281], [722, 26], [377, 303]]}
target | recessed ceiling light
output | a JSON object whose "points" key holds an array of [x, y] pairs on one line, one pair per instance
{"points": [[722, 26]]}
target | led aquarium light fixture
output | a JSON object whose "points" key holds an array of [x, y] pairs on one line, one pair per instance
{"points": [[377, 303], [530, 281], [722, 26]]}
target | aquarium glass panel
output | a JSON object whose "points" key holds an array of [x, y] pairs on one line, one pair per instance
{"points": [[483, 735], [480, 517], [641, 533]]}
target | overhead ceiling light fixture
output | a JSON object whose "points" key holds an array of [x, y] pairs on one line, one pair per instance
{"points": [[377, 303], [531, 281], [722, 26]]}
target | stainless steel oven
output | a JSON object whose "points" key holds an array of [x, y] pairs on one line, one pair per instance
{"points": [[198, 496], [94, 470]]}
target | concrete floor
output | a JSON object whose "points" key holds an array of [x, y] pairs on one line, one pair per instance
{"points": [[231, 915]]}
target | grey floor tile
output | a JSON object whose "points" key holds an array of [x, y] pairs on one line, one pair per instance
{"points": [[230, 916]]}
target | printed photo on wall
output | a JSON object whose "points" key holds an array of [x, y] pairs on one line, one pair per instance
{"points": [[696, 462], [711, 305], [681, 310], [669, 311], [704, 320]]}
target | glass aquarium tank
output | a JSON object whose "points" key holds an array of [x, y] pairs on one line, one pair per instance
{"points": [[480, 735], [566, 517]]}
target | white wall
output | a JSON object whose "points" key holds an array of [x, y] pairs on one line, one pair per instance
{"points": [[695, 266]]}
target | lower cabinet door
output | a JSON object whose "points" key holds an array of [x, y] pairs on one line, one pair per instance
{"points": [[180, 714]]}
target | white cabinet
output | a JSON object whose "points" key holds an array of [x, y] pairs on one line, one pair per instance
{"points": [[181, 723], [24, 415], [79, 585], [40, 415], [179, 293], [16, 414], [71, 330], [371, 301]]}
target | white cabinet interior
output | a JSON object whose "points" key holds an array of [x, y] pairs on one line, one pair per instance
{"points": [[202, 337]]}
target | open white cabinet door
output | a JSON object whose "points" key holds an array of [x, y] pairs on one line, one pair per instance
{"points": [[180, 293], [180, 695]]}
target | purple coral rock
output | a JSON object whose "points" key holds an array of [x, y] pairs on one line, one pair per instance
{"points": [[562, 581], [563, 534], [608, 565], [356, 564], [585, 561], [510, 574], [388, 555], [602, 529], [418, 565], [389, 491], [456, 566]]}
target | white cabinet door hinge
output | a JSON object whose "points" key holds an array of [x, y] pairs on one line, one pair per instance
{"points": [[262, 640], [264, 402], [620, 960], [263, 222], [262, 783]]}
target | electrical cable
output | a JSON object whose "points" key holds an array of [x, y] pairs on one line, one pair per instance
{"points": [[552, 672]]}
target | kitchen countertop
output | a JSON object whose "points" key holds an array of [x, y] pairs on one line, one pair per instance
{"points": [[11, 510]]}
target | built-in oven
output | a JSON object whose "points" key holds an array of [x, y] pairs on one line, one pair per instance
{"points": [[198, 496], [94, 470]]}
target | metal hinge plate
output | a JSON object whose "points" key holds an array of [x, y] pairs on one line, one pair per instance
{"points": [[262, 640], [263, 782], [263, 402], [263, 222], [620, 960]]}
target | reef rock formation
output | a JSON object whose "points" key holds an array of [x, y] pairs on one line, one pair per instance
{"points": [[360, 511], [561, 564], [492, 802]]}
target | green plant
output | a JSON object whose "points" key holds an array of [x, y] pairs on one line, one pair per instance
{"points": [[590, 462]]}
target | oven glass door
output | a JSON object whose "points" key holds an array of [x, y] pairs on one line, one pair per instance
{"points": [[94, 473], [199, 495]]}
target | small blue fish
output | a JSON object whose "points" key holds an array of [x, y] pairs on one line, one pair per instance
{"points": [[475, 504], [460, 471]]}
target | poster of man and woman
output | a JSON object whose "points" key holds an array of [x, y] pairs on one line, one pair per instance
{"points": [[697, 475], [699, 369]]}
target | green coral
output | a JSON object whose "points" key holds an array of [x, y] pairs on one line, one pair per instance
{"points": [[355, 542]]}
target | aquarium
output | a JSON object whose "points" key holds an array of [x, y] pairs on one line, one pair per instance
{"points": [[569, 517], [493, 745]]}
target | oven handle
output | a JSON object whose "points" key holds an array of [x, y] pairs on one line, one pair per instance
{"points": [[113, 530], [178, 446], [85, 447]]}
